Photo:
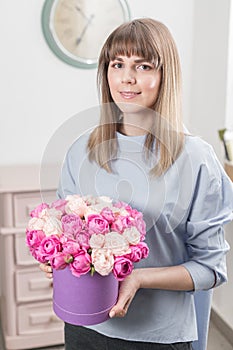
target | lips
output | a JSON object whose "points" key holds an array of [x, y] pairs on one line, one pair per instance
{"points": [[129, 94]]}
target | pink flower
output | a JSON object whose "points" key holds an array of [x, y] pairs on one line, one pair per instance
{"points": [[135, 255], [81, 263], [34, 238], [36, 212], [83, 239], [140, 224], [121, 223], [144, 249], [97, 224], [71, 224], [38, 256], [70, 247], [121, 204], [103, 261], [117, 243], [122, 267], [59, 205], [107, 214], [49, 246], [59, 261]]}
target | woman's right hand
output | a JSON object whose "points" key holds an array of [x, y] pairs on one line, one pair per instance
{"points": [[47, 269]]}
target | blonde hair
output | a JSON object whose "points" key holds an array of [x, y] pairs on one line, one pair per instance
{"points": [[151, 40]]}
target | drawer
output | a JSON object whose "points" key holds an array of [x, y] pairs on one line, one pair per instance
{"points": [[22, 254], [32, 285], [37, 318], [24, 203]]}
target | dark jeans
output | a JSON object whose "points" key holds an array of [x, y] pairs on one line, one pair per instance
{"points": [[81, 338]]}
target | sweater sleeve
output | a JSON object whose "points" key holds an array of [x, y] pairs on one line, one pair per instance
{"points": [[211, 209]]}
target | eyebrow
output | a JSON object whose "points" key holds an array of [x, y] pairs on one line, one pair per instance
{"points": [[136, 61]]}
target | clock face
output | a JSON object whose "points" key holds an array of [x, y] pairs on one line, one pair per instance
{"points": [[76, 29]]}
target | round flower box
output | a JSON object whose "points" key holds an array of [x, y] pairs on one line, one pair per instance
{"points": [[84, 300]]}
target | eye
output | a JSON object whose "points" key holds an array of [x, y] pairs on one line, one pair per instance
{"points": [[116, 65], [145, 67]]}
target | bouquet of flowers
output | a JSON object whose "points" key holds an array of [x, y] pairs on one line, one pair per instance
{"points": [[88, 234]]}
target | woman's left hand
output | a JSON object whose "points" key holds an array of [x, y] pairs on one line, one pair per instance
{"points": [[127, 291]]}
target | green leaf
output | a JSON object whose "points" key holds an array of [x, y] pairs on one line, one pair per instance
{"points": [[92, 270], [221, 133]]}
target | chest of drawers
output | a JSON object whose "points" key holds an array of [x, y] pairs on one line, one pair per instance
{"points": [[27, 317]]}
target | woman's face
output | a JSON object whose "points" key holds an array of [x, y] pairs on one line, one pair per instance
{"points": [[133, 82]]}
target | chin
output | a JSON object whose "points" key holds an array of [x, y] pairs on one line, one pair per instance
{"points": [[130, 108]]}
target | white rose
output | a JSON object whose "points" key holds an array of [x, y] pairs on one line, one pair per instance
{"points": [[132, 235], [103, 261], [89, 211], [97, 241], [76, 205], [117, 243], [51, 212], [36, 224], [52, 226]]}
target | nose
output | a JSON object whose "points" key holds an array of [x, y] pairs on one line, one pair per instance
{"points": [[128, 76]]}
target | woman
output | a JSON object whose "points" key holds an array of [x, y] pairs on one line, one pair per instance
{"points": [[141, 154]]}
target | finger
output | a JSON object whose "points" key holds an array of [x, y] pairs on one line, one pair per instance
{"points": [[49, 275], [120, 309], [46, 268]]}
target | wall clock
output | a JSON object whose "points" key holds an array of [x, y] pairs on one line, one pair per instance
{"points": [[75, 30]]}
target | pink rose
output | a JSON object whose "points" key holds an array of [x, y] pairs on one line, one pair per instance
{"points": [[60, 205], [34, 238], [36, 212], [107, 214], [81, 263], [135, 255], [71, 224], [121, 204], [97, 224], [122, 267], [121, 223], [70, 247], [103, 261], [134, 213], [140, 224], [144, 249], [59, 261], [38, 256], [83, 238], [49, 247]]}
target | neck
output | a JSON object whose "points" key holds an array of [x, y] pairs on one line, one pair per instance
{"points": [[136, 124]]}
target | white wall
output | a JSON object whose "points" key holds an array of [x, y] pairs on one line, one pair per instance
{"points": [[41, 92], [209, 69]]}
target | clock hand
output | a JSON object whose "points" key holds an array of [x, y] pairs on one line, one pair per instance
{"points": [[81, 12], [78, 40]]}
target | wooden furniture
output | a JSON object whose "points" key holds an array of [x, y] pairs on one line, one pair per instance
{"points": [[27, 316], [229, 169]]}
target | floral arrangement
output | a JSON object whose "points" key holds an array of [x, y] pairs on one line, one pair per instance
{"points": [[87, 234]]}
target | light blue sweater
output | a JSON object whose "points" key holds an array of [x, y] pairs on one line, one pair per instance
{"points": [[185, 210]]}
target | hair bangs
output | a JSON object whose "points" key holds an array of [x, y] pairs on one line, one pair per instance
{"points": [[132, 39]]}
